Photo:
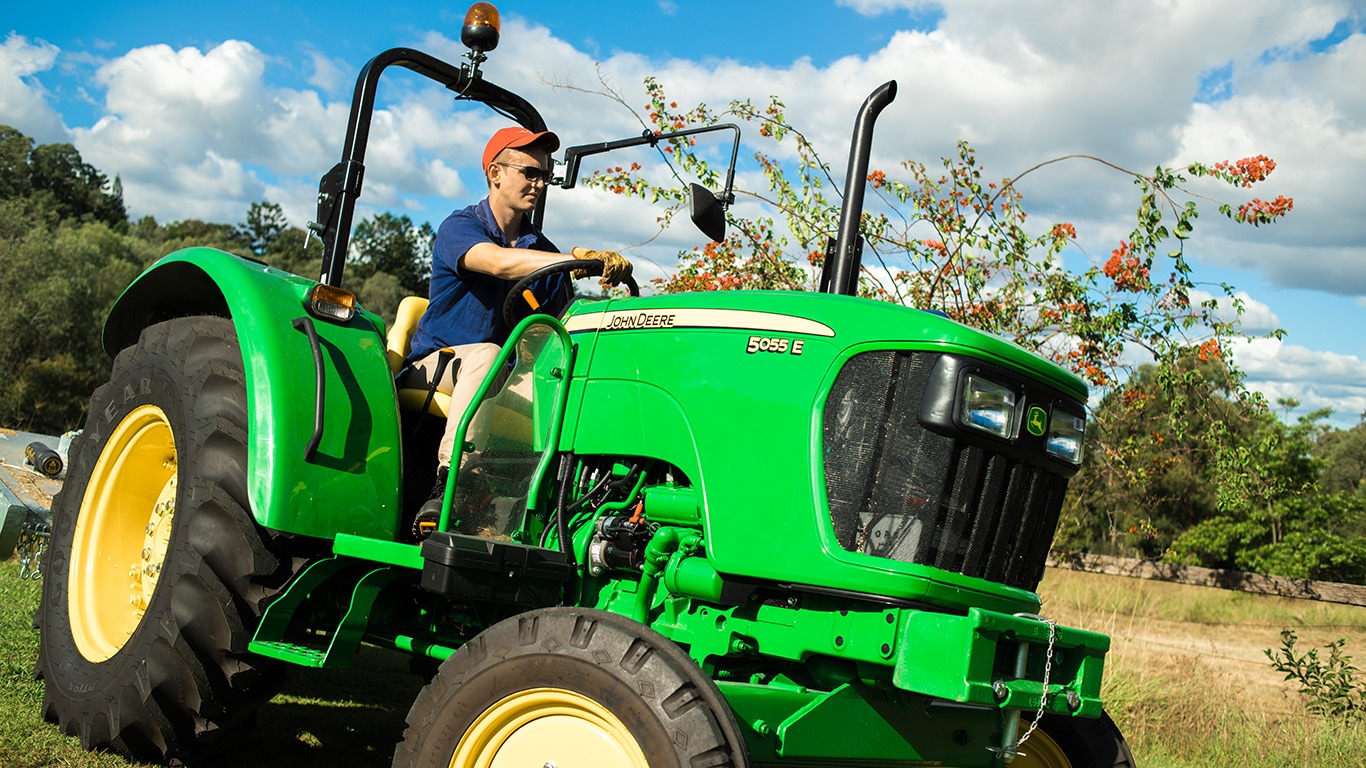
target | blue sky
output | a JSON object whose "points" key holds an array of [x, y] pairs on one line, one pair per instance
{"points": [[754, 32], [202, 109]]}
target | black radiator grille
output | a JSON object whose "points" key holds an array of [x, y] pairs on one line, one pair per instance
{"points": [[899, 491]]}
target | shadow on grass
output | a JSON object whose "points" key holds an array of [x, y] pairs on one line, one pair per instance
{"points": [[336, 718]]}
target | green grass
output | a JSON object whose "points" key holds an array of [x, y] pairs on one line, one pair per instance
{"points": [[321, 719], [25, 740], [1210, 706]]}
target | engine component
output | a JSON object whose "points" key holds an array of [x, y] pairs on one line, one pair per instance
{"points": [[618, 543]]}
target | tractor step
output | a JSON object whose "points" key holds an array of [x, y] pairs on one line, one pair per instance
{"points": [[335, 647], [302, 655]]}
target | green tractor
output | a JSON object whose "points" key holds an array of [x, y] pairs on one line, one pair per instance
{"points": [[710, 529]]}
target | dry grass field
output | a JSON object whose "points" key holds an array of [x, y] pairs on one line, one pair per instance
{"points": [[1188, 680]]}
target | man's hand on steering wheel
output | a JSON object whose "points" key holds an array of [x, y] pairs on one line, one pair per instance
{"points": [[520, 300], [615, 267]]}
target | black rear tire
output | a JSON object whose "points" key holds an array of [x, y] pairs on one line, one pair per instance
{"points": [[154, 517], [528, 688]]}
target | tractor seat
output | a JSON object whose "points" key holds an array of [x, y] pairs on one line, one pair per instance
{"points": [[397, 346]]}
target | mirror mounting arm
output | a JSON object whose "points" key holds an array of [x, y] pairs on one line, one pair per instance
{"points": [[706, 213], [573, 156]]}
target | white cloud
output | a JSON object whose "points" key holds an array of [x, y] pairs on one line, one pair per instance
{"points": [[1316, 379], [183, 128], [329, 75], [879, 7], [445, 180], [1319, 150], [1257, 317], [1024, 82], [192, 97], [23, 101], [1275, 360], [195, 134]]}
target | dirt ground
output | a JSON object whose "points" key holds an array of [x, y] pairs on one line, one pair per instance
{"points": [[1234, 652], [1213, 633]]}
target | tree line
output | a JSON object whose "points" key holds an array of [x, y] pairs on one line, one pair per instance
{"points": [[68, 249], [1183, 462], [1186, 467]]}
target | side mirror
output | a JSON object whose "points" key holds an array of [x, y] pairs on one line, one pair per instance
{"points": [[707, 212]]}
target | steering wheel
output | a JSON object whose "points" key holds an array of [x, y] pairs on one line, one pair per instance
{"points": [[521, 296]]}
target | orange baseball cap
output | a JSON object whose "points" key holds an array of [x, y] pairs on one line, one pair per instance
{"points": [[515, 138]]}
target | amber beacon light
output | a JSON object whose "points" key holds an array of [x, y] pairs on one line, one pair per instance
{"points": [[480, 31]]}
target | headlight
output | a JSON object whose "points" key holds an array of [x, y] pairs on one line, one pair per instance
{"points": [[1066, 436], [988, 406]]}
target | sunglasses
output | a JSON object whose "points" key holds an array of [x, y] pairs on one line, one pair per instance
{"points": [[530, 172]]}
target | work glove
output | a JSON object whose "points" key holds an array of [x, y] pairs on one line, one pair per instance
{"points": [[615, 267]]}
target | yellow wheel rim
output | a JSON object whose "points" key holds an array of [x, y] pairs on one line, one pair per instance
{"points": [[544, 726], [122, 533], [1040, 751]]}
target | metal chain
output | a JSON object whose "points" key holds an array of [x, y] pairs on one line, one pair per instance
{"points": [[1047, 672], [33, 541]]}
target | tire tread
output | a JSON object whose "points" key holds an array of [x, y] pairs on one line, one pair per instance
{"points": [[198, 682]]}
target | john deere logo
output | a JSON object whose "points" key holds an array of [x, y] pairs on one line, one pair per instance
{"points": [[1037, 421]]}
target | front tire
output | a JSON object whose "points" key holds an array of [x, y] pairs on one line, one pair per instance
{"points": [[576, 688], [1075, 742], [157, 572]]}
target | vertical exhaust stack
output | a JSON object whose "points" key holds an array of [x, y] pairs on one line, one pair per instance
{"points": [[842, 263]]}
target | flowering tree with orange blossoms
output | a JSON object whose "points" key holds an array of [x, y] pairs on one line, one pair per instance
{"points": [[959, 242]]}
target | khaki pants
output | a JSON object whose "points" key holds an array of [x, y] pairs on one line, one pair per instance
{"points": [[460, 382]]}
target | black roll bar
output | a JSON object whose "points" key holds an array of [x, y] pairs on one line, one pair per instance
{"points": [[339, 187]]}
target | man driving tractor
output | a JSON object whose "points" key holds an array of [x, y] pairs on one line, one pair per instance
{"points": [[480, 251]]}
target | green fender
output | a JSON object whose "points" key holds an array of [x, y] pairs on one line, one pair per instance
{"points": [[351, 483]]}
